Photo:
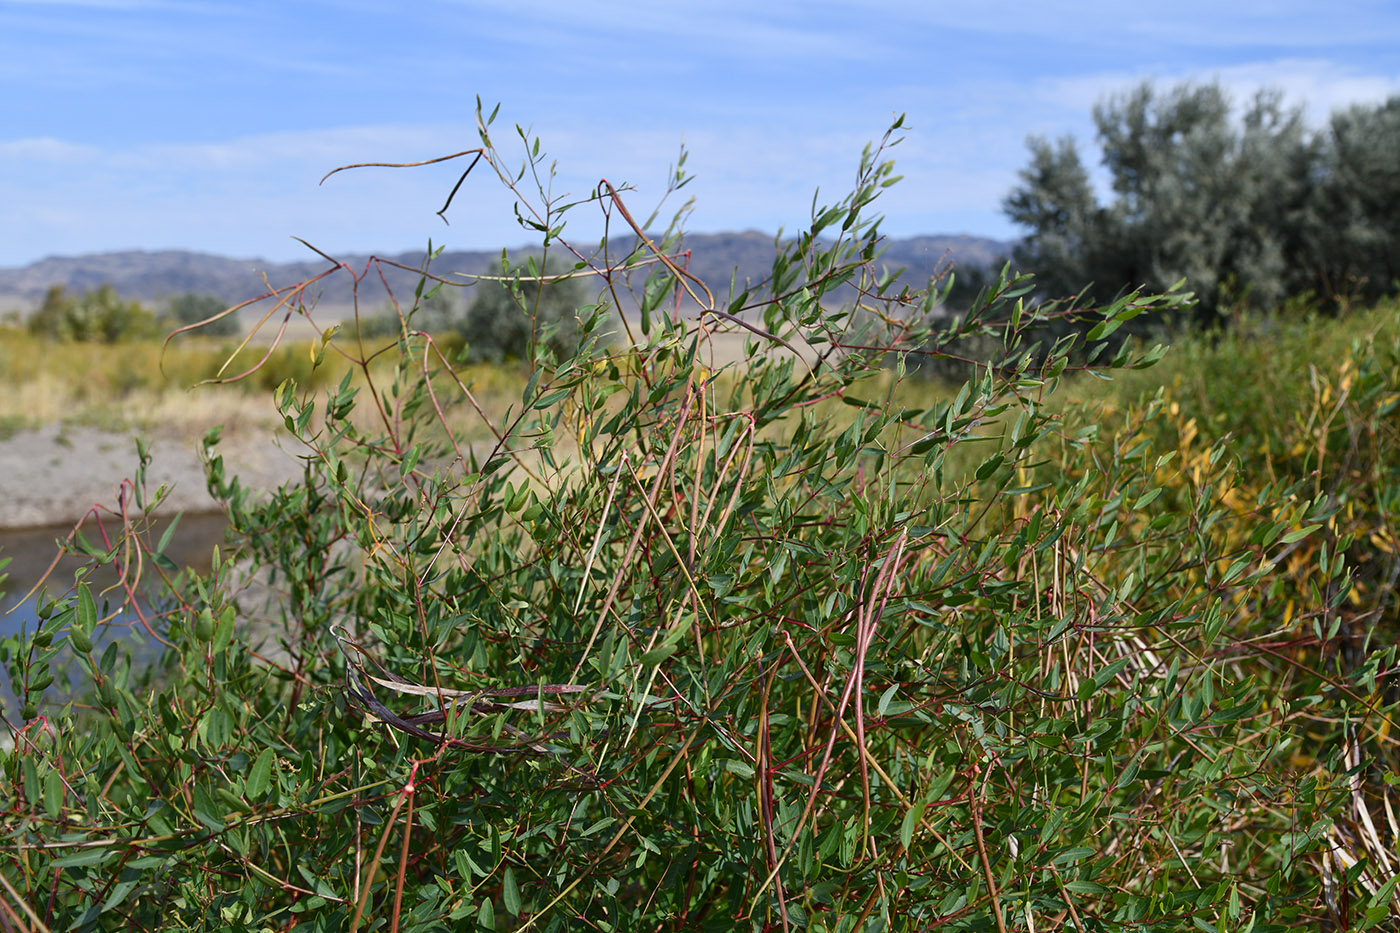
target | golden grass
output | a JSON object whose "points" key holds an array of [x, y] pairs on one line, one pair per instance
{"points": [[120, 386], [145, 386]]}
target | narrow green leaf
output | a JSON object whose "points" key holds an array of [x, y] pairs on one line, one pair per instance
{"points": [[169, 534], [656, 656], [79, 639], [1299, 534], [120, 890], [53, 794], [1108, 673], [550, 399], [1237, 568], [1085, 887], [260, 775], [510, 893], [909, 824], [205, 811], [741, 768], [31, 781], [885, 699], [1070, 856], [84, 857], [989, 466], [87, 609], [1147, 498]]}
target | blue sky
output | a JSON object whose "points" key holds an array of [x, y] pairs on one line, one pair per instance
{"points": [[206, 125]]}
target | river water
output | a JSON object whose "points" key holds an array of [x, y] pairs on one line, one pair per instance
{"points": [[31, 550]]}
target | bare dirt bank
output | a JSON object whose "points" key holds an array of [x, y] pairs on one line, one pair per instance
{"points": [[57, 473]]}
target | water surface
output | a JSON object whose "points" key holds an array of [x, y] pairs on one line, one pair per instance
{"points": [[32, 550]]}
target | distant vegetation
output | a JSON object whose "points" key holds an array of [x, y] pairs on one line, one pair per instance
{"points": [[1098, 636], [1255, 211], [191, 308], [508, 316], [101, 316]]}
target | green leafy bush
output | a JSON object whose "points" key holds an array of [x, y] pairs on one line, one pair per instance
{"points": [[98, 316], [1309, 404], [529, 306], [1250, 211], [192, 308], [687, 645]]}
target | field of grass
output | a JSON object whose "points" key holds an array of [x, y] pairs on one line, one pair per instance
{"points": [[177, 388]]}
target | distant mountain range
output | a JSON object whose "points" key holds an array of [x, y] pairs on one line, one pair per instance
{"points": [[153, 277]]}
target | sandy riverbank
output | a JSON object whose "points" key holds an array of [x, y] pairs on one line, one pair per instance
{"points": [[58, 473]]}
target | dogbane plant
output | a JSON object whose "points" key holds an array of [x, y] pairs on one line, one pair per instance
{"points": [[687, 644]]}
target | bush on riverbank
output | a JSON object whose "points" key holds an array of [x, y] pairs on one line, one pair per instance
{"points": [[671, 651]]}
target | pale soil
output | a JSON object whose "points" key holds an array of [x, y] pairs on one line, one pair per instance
{"points": [[58, 473]]}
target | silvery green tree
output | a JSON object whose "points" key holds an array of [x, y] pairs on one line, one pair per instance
{"points": [[1245, 211], [1356, 235], [1199, 199], [527, 306], [1056, 201], [193, 307]]}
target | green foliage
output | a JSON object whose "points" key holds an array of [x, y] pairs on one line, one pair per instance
{"points": [[192, 308], [1357, 221], [435, 312], [527, 306], [1245, 212], [1056, 201], [1309, 401], [754, 647], [96, 316]]}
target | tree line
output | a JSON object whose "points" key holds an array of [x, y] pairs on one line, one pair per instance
{"points": [[100, 315], [1251, 211]]}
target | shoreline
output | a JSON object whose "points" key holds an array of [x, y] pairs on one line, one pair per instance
{"points": [[57, 474]]}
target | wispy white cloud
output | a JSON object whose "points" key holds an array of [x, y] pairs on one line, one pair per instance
{"points": [[1154, 26], [47, 149], [1298, 24], [1319, 86]]}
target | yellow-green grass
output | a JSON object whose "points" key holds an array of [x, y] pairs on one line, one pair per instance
{"points": [[177, 386], [146, 384]]}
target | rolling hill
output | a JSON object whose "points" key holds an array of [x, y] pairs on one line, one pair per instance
{"points": [[154, 276]]}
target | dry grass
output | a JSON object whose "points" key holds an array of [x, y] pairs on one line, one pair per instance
{"points": [[119, 386], [145, 387]]}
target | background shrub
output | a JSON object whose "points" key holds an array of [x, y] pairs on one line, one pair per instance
{"points": [[96, 316], [192, 308], [1248, 211], [527, 307]]}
